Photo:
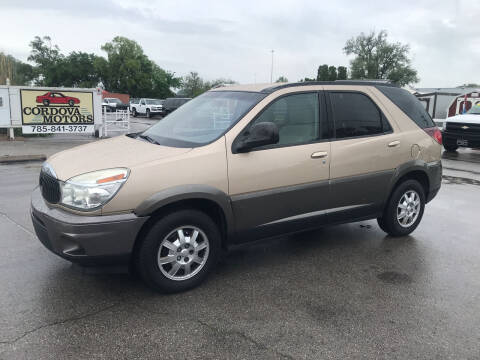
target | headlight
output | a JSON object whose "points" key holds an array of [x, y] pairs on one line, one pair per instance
{"points": [[92, 190]]}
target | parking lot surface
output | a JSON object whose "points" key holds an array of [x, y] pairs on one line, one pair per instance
{"points": [[341, 292]]}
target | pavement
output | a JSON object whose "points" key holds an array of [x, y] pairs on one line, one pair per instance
{"points": [[342, 292], [39, 148]]}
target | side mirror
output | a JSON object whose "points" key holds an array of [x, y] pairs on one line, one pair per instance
{"points": [[261, 134]]}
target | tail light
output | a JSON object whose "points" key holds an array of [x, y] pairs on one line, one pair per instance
{"points": [[435, 133]]}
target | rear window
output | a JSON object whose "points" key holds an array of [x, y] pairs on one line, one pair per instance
{"points": [[409, 104]]}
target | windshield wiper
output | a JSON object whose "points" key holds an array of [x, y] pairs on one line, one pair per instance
{"points": [[149, 139]]}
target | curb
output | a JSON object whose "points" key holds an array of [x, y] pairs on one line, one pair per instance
{"points": [[21, 158]]}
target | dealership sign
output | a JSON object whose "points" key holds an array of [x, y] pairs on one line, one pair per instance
{"points": [[49, 111]]}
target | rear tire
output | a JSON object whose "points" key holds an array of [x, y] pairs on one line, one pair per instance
{"points": [[71, 102], [404, 210], [450, 148], [172, 258], [134, 112], [148, 114]]}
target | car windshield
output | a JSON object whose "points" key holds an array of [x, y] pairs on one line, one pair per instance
{"points": [[203, 119], [475, 110], [116, 101], [154, 102]]}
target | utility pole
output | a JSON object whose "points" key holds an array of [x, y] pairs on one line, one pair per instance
{"points": [[271, 69]]}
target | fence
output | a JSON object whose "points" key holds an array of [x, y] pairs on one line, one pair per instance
{"points": [[118, 121]]}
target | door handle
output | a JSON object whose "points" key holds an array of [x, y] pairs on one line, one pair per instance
{"points": [[394, 143], [319, 154]]}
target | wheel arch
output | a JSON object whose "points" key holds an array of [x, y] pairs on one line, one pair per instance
{"points": [[207, 199], [413, 170]]}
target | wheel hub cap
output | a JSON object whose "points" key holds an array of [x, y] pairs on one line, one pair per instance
{"points": [[408, 208], [183, 253]]}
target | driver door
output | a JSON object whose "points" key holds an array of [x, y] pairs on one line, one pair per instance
{"points": [[283, 186]]}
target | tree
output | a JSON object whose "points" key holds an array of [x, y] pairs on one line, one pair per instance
{"points": [[376, 58], [282, 79], [332, 73], [342, 73], [78, 70], [18, 72], [47, 59], [192, 85], [322, 73], [128, 70]]}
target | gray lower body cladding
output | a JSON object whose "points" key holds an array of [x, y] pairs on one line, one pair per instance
{"points": [[306, 206], [89, 240]]}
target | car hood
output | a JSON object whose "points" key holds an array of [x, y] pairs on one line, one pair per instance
{"points": [[120, 151], [465, 118]]}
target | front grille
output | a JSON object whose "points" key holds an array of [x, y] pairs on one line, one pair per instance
{"points": [[50, 188], [464, 128]]}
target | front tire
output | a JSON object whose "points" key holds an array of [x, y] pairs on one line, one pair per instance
{"points": [[134, 112], [179, 251], [404, 210], [46, 102], [148, 114], [450, 148]]}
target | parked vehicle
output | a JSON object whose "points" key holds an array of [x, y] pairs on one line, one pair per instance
{"points": [[172, 104], [462, 130], [56, 98], [238, 164], [113, 104], [147, 107]]}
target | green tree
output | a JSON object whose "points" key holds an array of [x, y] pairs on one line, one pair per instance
{"points": [[18, 72], [322, 73], [332, 73], [47, 58], [342, 73], [282, 79], [78, 70], [376, 58], [193, 85], [127, 69]]}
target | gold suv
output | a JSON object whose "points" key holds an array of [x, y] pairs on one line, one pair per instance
{"points": [[237, 164]]}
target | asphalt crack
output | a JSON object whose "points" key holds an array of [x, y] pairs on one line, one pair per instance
{"points": [[59, 322], [245, 337]]}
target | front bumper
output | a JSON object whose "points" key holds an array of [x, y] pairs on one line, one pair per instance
{"points": [[88, 240], [451, 137]]}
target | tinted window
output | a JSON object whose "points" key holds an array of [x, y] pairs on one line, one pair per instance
{"points": [[355, 115], [297, 118], [409, 104]]}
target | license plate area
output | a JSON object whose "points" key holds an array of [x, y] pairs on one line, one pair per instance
{"points": [[461, 142]]}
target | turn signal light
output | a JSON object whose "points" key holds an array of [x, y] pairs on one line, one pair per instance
{"points": [[110, 179], [435, 133]]}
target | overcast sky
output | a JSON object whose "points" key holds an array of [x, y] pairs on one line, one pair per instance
{"points": [[233, 39]]}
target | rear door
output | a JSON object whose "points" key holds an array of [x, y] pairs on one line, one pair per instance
{"points": [[282, 187], [365, 151]]}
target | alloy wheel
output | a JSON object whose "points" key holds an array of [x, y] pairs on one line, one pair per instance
{"points": [[183, 253]]}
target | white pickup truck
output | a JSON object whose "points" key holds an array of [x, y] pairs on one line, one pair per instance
{"points": [[462, 130], [147, 107]]}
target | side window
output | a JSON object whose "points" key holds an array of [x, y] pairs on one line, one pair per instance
{"points": [[297, 118], [355, 114], [1, 101], [142, 102]]}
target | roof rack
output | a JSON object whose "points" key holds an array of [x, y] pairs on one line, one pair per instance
{"points": [[375, 83]]}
